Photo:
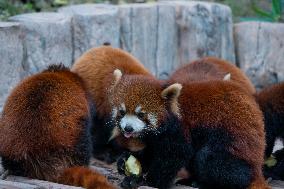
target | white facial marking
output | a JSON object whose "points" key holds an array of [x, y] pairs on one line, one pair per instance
{"points": [[114, 113], [115, 132], [138, 109], [153, 119], [133, 121], [122, 106]]}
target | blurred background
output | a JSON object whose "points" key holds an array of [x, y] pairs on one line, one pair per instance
{"points": [[243, 10]]}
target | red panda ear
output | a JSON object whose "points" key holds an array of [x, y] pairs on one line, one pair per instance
{"points": [[171, 93], [117, 76], [227, 77]]}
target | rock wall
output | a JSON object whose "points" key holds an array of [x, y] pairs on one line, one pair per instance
{"points": [[47, 39], [260, 51], [161, 35], [165, 35], [11, 58], [92, 25]]}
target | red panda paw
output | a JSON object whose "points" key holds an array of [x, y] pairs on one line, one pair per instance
{"points": [[84, 177]]}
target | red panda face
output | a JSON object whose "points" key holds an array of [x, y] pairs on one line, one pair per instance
{"points": [[132, 124], [138, 106]]}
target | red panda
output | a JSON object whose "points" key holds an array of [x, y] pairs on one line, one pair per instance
{"points": [[212, 127], [45, 130], [96, 68], [271, 102], [211, 68]]}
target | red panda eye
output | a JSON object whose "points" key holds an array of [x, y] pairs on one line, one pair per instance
{"points": [[122, 112], [141, 115]]}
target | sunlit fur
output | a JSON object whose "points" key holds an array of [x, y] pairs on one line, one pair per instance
{"points": [[96, 68], [45, 130]]}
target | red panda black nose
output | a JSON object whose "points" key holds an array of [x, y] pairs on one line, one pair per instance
{"points": [[128, 129]]}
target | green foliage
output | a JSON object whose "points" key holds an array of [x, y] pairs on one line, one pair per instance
{"points": [[12, 7], [243, 10], [275, 15], [9, 8]]}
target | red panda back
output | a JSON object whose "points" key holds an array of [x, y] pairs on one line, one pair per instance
{"points": [[39, 107], [96, 68], [45, 129], [211, 68], [227, 107]]}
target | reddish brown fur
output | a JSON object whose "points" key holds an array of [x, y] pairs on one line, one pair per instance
{"points": [[18, 122], [273, 95], [211, 68], [223, 104], [41, 125], [138, 90], [81, 176], [206, 99], [130, 144], [96, 68]]}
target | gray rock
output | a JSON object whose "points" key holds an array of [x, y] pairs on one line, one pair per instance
{"points": [[93, 25], [205, 29], [167, 41], [139, 32], [47, 40], [260, 51], [11, 53], [167, 34]]}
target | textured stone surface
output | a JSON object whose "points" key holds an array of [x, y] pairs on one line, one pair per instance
{"points": [[167, 34], [167, 41], [47, 40], [205, 29], [260, 51], [11, 53], [139, 32], [93, 25]]}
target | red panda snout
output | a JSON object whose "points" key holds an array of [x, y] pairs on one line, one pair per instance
{"points": [[134, 124], [131, 125]]}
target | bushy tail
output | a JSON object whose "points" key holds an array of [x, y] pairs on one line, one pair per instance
{"points": [[84, 177]]}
